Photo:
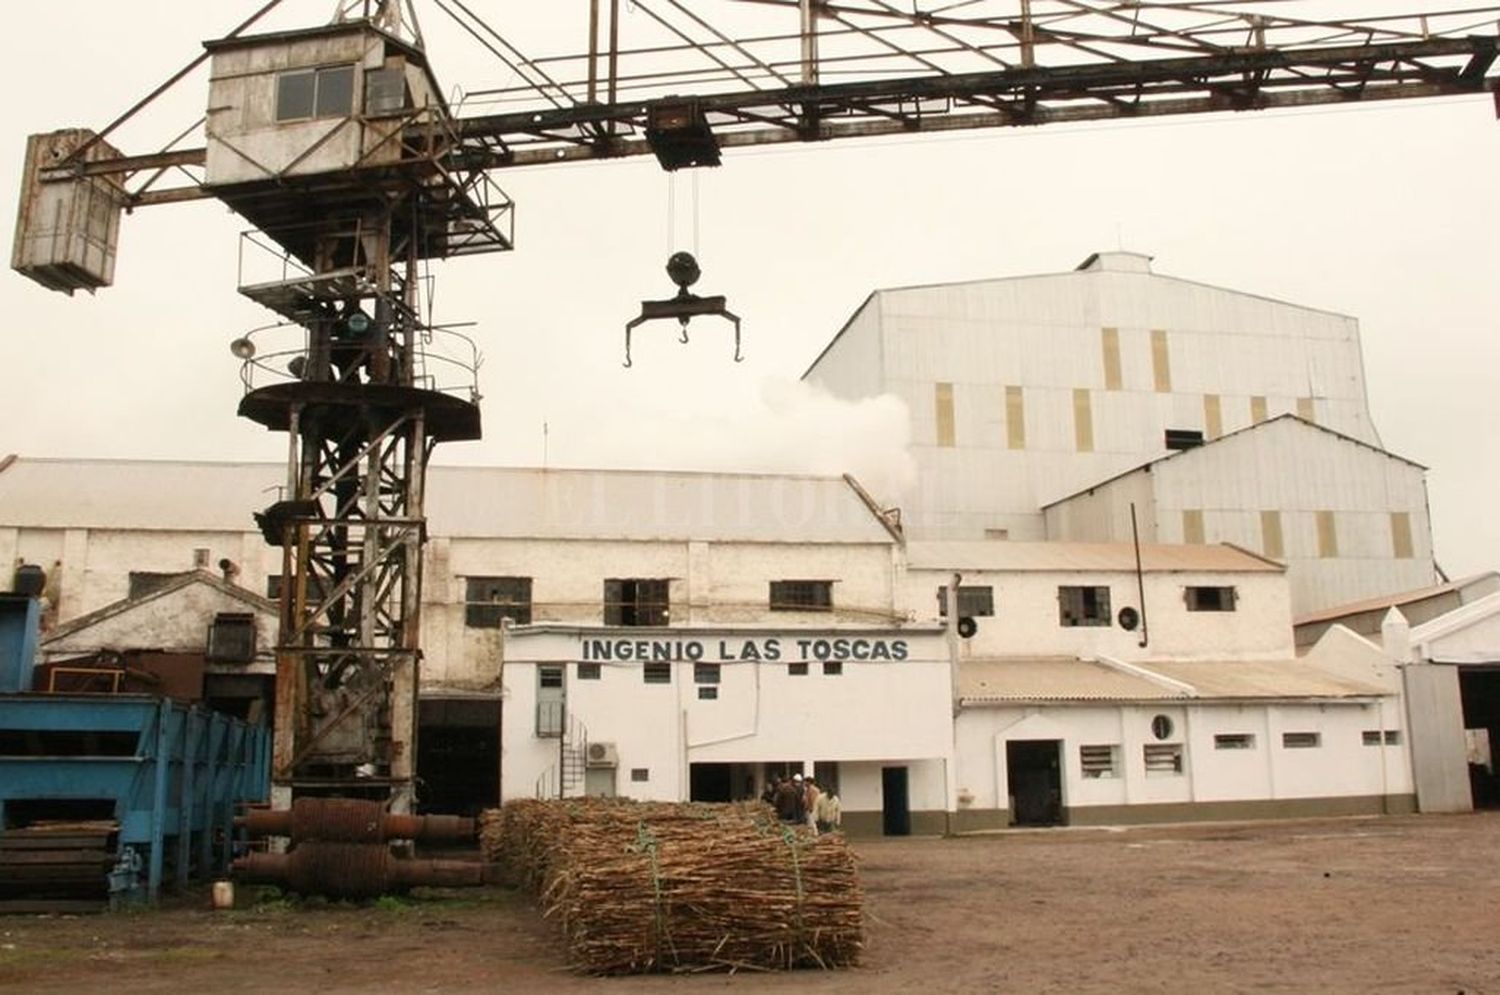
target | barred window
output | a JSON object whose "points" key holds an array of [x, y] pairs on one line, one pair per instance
{"points": [[801, 595], [487, 600], [1163, 759], [1099, 760], [973, 602]]}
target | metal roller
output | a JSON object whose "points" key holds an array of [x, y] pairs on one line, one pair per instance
{"points": [[353, 870], [352, 820]]}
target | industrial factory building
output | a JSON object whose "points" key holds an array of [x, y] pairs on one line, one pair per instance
{"points": [[1027, 394], [687, 635]]}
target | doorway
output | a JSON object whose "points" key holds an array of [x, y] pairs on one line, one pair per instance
{"points": [[1479, 688], [458, 755], [895, 801], [711, 783], [1034, 768]]}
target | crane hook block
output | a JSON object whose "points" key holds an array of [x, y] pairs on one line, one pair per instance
{"points": [[684, 271]]}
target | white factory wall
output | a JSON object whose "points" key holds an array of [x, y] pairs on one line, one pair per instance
{"points": [[1340, 774], [1026, 619], [872, 714], [1291, 468], [1044, 335]]}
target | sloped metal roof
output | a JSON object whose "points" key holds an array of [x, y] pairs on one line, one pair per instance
{"points": [[1021, 679], [1261, 679]]}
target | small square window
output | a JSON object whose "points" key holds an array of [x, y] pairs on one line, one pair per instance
{"points": [[1163, 759], [1210, 599], [640, 774], [1234, 741], [1099, 760], [708, 692], [231, 638], [797, 669], [294, 94], [973, 601], [1083, 606], [657, 673], [588, 671], [636, 601], [1392, 737], [1301, 740], [385, 91], [705, 673], [833, 668], [488, 600], [801, 595]]}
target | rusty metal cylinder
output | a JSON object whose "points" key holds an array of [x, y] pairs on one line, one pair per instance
{"points": [[352, 820], [353, 870]]}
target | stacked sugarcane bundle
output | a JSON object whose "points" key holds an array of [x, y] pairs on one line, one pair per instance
{"points": [[643, 887]]}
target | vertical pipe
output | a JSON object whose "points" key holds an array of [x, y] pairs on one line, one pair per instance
{"points": [[1140, 577], [593, 51], [809, 42], [614, 54], [1028, 36]]}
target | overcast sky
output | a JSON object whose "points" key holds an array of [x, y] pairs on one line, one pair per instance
{"points": [[1381, 212]]}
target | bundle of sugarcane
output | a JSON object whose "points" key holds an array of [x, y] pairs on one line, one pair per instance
{"points": [[684, 887]]}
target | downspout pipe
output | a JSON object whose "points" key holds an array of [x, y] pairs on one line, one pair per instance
{"points": [[1140, 577]]}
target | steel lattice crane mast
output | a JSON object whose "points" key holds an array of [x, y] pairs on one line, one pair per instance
{"points": [[336, 145]]}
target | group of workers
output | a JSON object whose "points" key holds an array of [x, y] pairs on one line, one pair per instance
{"points": [[799, 800]]}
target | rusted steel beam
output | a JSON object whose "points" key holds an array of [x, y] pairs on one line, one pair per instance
{"points": [[126, 164]]}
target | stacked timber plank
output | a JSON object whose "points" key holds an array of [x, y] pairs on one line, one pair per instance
{"points": [[56, 866], [641, 887]]}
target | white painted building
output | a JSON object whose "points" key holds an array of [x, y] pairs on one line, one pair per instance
{"points": [[1026, 389], [597, 569], [1349, 519]]}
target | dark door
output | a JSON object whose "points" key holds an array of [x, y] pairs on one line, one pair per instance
{"points": [[895, 807], [1034, 767], [710, 783]]}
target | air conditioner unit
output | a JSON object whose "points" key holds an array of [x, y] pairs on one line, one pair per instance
{"points": [[603, 755]]}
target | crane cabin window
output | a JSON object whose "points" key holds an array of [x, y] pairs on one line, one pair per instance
{"points": [[310, 93]]}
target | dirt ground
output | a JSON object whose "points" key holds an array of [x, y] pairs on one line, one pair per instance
{"points": [[1360, 905]]}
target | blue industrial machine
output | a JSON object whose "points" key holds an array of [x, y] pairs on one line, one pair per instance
{"points": [[100, 794]]}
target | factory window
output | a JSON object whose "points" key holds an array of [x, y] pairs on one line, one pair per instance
{"points": [[589, 671], [636, 602], [656, 672], [231, 638], [709, 692], [640, 774], [1192, 526], [1401, 544], [1213, 416], [1083, 421], [1083, 606], [487, 600], [201, 558], [1328, 535], [833, 668], [705, 673], [385, 92], [1015, 418], [1372, 737], [1257, 409], [801, 595], [305, 93], [944, 402], [1161, 362], [1162, 759], [1270, 535], [1180, 439], [796, 669], [1234, 741], [1099, 761], [973, 602], [144, 582], [1110, 342], [1301, 740], [1210, 599]]}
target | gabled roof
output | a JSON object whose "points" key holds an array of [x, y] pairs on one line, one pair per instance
{"points": [[1387, 601], [1287, 418], [252, 601], [1457, 620], [1002, 556]]}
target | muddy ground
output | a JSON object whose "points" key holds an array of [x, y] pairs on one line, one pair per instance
{"points": [[1388, 905]]}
